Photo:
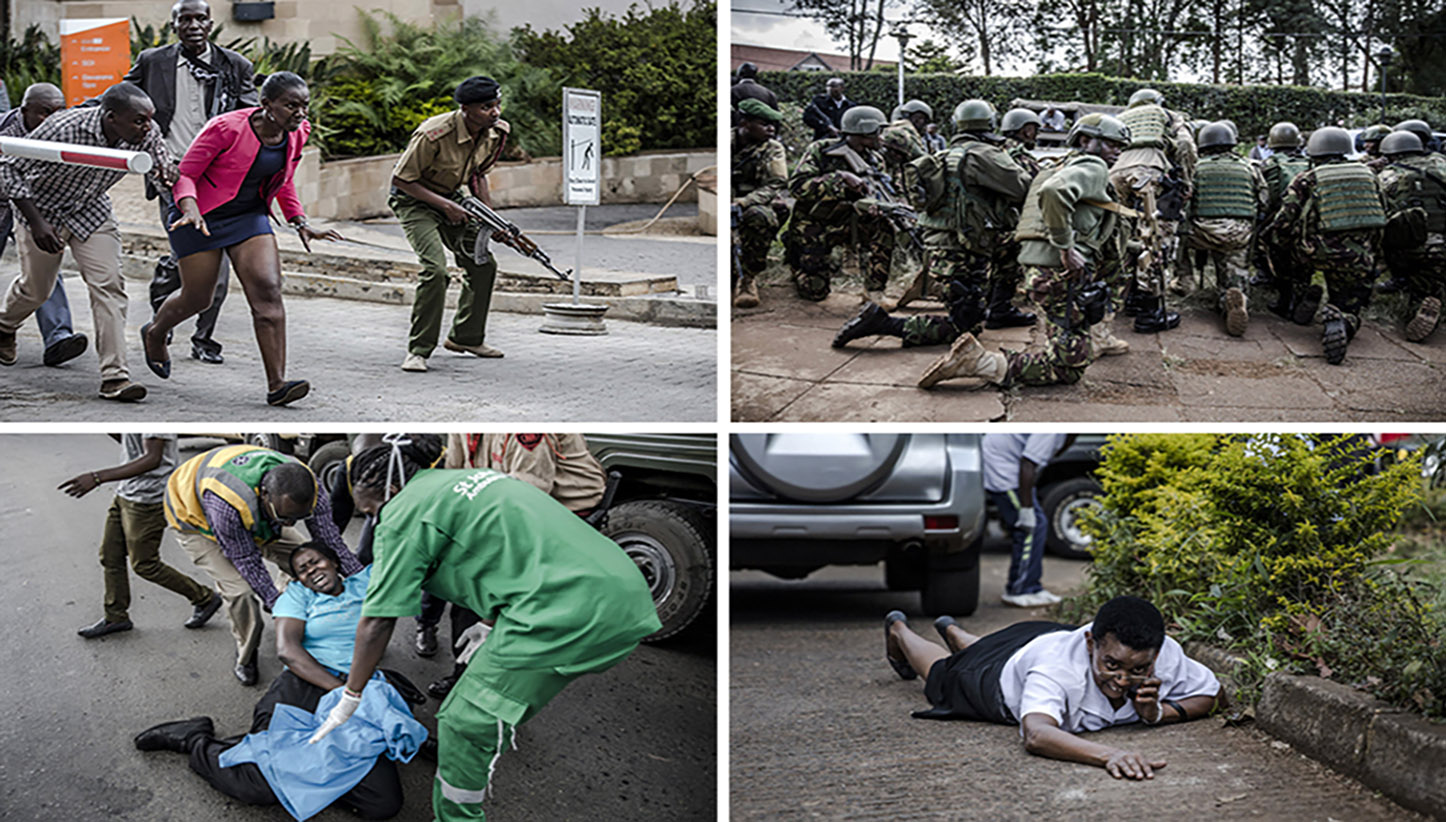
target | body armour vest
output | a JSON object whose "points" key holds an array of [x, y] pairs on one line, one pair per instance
{"points": [[1279, 170], [1423, 181], [1347, 198], [1147, 126], [1224, 187]]}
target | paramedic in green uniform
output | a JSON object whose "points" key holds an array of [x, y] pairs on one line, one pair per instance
{"points": [[566, 600]]}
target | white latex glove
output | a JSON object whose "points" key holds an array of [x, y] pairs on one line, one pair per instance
{"points": [[1026, 521], [340, 713], [470, 640]]}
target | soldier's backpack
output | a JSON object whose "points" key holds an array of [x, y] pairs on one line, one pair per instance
{"points": [[924, 184]]}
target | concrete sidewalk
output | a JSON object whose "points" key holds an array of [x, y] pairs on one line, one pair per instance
{"points": [[783, 369]]}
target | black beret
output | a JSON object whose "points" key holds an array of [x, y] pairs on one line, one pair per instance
{"points": [[477, 89]]}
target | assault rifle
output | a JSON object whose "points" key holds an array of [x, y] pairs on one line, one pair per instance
{"points": [[495, 227], [882, 197]]}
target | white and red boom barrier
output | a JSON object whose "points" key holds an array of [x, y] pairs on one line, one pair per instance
{"points": [[131, 162]]}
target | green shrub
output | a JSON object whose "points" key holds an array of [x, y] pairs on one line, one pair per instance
{"points": [[31, 59], [1273, 546]]}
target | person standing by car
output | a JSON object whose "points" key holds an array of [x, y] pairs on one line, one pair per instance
{"points": [[1012, 465]]}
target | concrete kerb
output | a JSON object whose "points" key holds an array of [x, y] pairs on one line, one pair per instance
{"points": [[1400, 754]]}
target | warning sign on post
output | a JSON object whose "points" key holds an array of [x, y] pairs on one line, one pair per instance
{"points": [[581, 146], [95, 54]]}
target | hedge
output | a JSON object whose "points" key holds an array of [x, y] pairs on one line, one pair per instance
{"points": [[1254, 109]]}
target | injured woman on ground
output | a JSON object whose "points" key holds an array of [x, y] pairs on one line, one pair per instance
{"points": [[316, 619]]}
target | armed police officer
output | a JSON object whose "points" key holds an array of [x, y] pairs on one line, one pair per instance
{"points": [[1414, 189], [1071, 249], [1154, 175], [902, 142], [760, 183], [966, 232], [840, 194], [1281, 265], [1229, 192], [1332, 214], [1020, 128]]}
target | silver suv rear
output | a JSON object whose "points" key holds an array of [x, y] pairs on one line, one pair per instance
{"points": [[800, 501]]}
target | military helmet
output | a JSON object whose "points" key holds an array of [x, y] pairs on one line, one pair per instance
{"points": [[1098, 125], [1217, 134], [897, 140], [1329, 140], [1284, 135], [1146, 96], [1234, 130], [1401, 142], [1375, 133], [897, 114], [862, 120], [1196, 125], [975, 115], [1416, 127], [917, 107], [1017, 118]]}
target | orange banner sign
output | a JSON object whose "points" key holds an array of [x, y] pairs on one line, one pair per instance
{"points": [[96, 54]]}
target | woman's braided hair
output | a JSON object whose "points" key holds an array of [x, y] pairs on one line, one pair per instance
{"points": [[394, 462]]}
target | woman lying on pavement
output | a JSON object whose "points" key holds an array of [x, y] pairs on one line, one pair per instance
{"points": [[315, 632], [1056, 681]]}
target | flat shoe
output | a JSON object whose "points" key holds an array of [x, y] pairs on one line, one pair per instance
{"points": [[902, 668], [102, 628], [160, 368], [942, 626], [203, 612], [63, 351], [289, 392], [122, 390], [479, 350]]}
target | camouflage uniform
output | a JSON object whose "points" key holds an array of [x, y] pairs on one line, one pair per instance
{"points": [[1344, 258], [1278, 170], [1138, 175], [963, 257], [1407, 183], [900, 144], [1067, 220], [1222, 221], [760, 183], [825, 218]]}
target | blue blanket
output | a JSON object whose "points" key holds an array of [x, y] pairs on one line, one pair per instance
{"points": [[307, 778]]}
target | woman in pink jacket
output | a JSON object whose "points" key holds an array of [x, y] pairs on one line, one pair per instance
{"points": [[238, 164]]}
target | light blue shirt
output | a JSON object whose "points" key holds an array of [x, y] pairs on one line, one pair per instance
{"points": [[330, 620], [1002, 453]]}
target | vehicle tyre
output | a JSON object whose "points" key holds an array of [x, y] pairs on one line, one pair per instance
{"points": [[669, 542], [1063, 504], [327, 460], [275, 442], [953, 592]]}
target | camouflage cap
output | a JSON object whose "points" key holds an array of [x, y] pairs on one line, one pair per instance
{"points": [[1375, 133], [759, 109], [896, 139]]}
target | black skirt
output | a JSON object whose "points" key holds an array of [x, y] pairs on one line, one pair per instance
{"points": [[966, 684]]}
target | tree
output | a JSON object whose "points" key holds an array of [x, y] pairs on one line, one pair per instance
{"points": [[928, 57], [858, 24], [989, 25]]}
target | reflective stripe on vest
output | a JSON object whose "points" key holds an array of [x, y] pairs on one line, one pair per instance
{"points": [[1147, 125], [1346, 198], [1224, 187], [215, 471]]}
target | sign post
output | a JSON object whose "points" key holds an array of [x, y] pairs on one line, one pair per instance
{"points": [[582, 187], [95, 54]]}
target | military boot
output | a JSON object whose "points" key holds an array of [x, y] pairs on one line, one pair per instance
{"points": [[1306, 304], [747, 296], [870, 320], [1335, 336], [1134, 301], [1153, 318], [966, 358], [1002, 313], [1427, 316], [1103, 341], [914, 291], [1236, 317], [1284, 305]]}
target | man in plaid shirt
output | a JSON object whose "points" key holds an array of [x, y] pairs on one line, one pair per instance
{"points": [[62, 205]]}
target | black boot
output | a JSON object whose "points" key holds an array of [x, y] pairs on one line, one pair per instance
{"points": [[1306, 305], [1284, 305], [1135, 301], [870, 320], [175, 736], [1153, 318], [1002, 313], [1335, 336]]}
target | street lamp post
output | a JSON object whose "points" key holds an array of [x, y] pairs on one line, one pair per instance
{"points": [[901, 33], [1384, 56]]}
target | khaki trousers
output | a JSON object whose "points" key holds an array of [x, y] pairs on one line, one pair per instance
{"points": [[99, 259], [242, 606]]}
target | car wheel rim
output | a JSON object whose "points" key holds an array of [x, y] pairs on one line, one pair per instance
{"points": [[1069, 518], [653, 560]]}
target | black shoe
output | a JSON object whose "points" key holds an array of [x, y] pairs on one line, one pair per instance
{"points": [[206, 355], [246, 671], [1336, 335], [174, 736], [1135, 302], [289, 392], [102, 628], [443, 686], [426, 640], [870, 320], [942, 626], [161, 368], [901, 667], [1306, 305], [204, 611], [63, 351], [1153, 318], [428, 751], [1008, 317]]}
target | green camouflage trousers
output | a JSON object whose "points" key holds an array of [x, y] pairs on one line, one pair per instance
{"points": [[1067, 350], [1423, 269], [757, 227], [962, 277], [1227, 241], [811, 244], [1138, 188]]}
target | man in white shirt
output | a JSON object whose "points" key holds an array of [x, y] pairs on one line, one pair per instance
{"points": [[1012, 465], [1057, 681]]}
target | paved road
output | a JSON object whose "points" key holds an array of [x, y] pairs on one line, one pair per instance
{"points": [[636, 742], [350, 351], [821, 728]]}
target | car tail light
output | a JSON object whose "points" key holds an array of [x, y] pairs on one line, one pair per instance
{"points": [[949, 523]]}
